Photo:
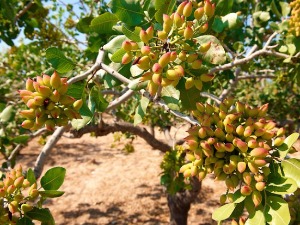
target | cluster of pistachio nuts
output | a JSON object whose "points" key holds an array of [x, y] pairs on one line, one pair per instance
{"points": [[294, 20], [168, 54], [235, 143], [48, 103], [17, 196]]}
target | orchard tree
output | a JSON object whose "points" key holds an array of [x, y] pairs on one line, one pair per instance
{"points": [[229, 68]]}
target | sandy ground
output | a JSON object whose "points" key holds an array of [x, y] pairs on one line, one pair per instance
{"points": [[104, 185]]}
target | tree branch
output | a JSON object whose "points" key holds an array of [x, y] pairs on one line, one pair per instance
{"points": [[253, 54], [256, 77], [107, 128], [23, 11], [115, 103], [211, 96], [40, 161], [115, 73], [95, 67]]}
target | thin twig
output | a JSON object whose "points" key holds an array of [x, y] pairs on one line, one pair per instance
{"points": [[118, 101], [115, 73], [14, 153], [247, 59], [38, 132], [256, 77], [95, 67], [111, 92], [23, 11], [40, 161], [269, 40], [107, 128], [211, 96]]}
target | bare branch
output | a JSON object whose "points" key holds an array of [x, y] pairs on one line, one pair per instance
{"points": [[40, 162], [269, 40], [95, 67], [123, 127], [111, 92], [115, 73], [14, 153], [253, 49], [23, 11], [158, 93], [249, 58], [177, 114], [147, 95], [115, 103], [38, 132], [265, 71], [256, 77], [211, 96]]}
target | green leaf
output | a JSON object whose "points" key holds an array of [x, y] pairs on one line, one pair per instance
{"points": [[7, 114], [223, 212], [163, 7], [43, 215], [281, 185], [53, 178], [103, 24], [136, 71], [51, 193], [238, 197], [223, 7], [230, 20], [58, 60], [287, 144], [110, 81], [188, 97], [275, 9], [76, 90], [216, 53], [118, 55], [128, 11], [277, 211], [83, 24], [25, 221], [80, 123], [283, 48], [133, 35], [249, 205], [285, 8], [85, 110], [238, 210], [21, 139], [291, 49], [218, 25], [170, 95], [97, 101], [291, 168], [264, 16], [141, 110], [30, 176], [257, 218], [114, 44]]}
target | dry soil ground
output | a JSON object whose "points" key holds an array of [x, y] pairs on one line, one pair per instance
{"points": [[104, 185]]}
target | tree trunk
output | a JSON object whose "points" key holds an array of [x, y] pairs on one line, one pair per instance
{"points": [[180, 203]]}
